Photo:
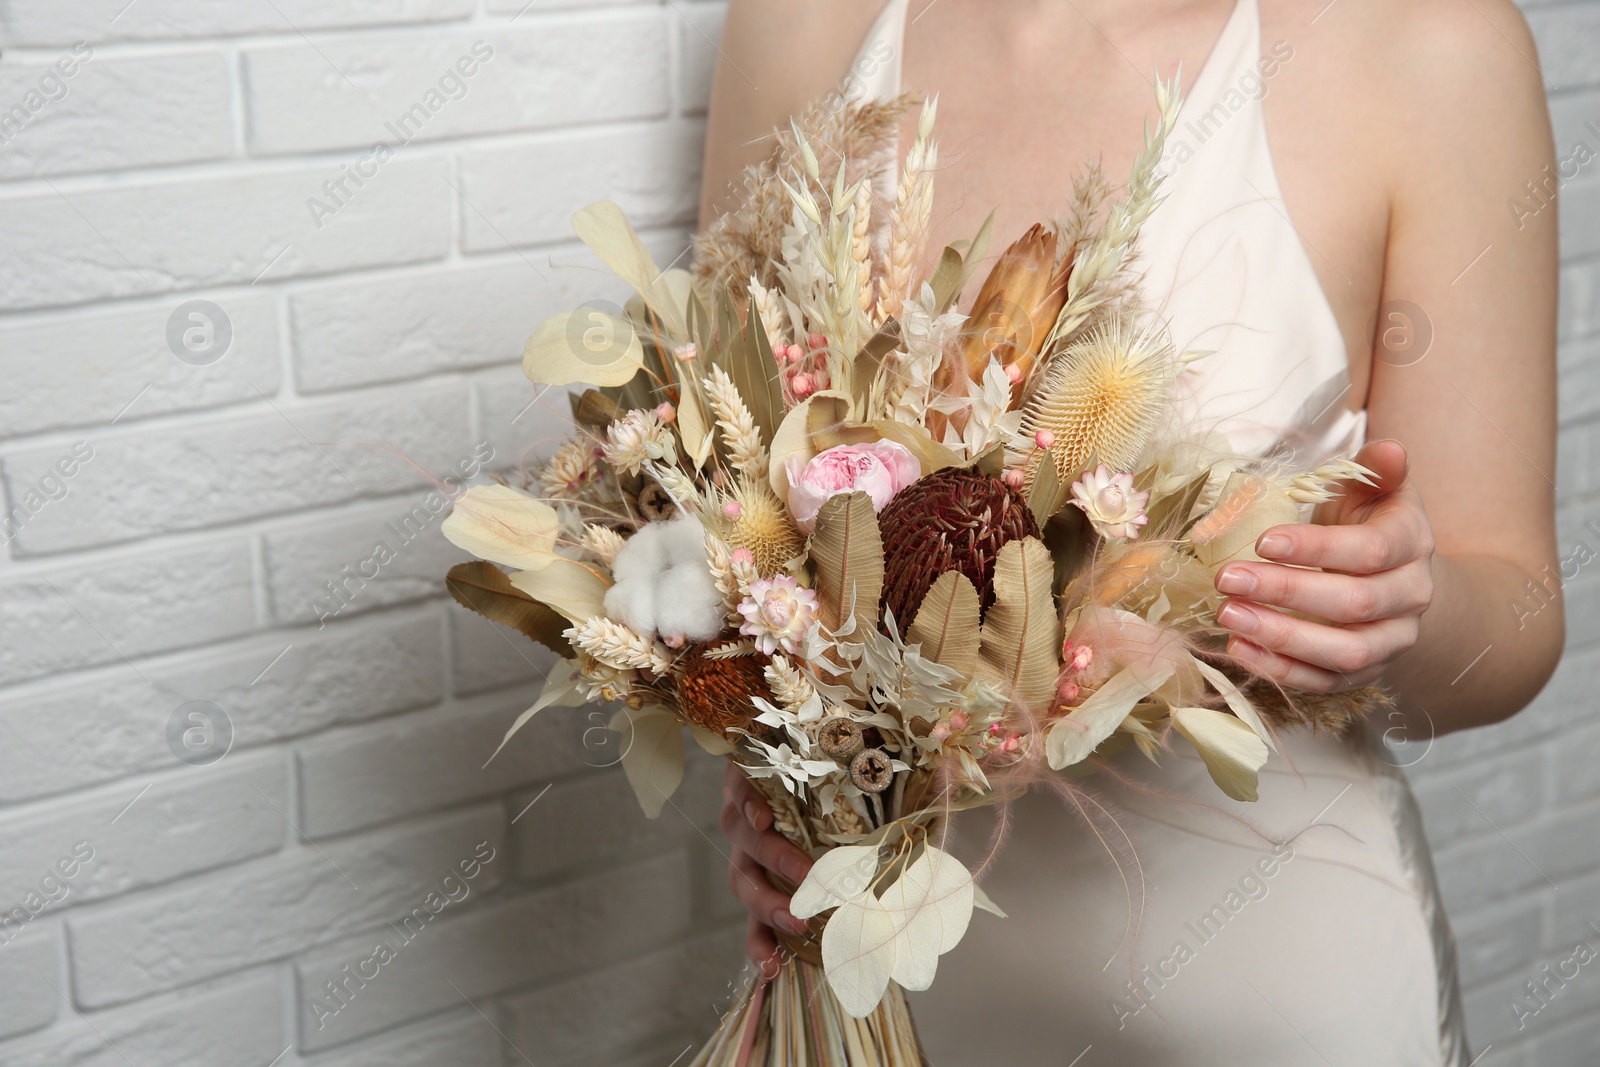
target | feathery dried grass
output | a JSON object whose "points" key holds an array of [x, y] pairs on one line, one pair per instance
{"points": [[747, 241]]}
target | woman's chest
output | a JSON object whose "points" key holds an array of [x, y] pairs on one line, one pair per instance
{"points": [[1039, 100]]}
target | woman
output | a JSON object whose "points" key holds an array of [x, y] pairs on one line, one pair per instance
{"points": [[1403, 306]]}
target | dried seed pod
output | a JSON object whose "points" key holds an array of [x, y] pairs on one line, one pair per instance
{"points": [[840, 737], [870, 770], [596, 409], [655, 503]]}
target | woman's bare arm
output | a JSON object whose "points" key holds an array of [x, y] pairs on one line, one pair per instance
{"points": [[1468, 128]]}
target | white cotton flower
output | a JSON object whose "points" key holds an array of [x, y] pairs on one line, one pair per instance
{"points": [[663, 583]]}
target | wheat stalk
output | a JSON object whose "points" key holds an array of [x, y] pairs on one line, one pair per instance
{"points": [[619, 646], [745, 450], [908, 221], [787, 683], [602, 541]]}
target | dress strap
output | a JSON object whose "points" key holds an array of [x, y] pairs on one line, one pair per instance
{"points": [[874, 74]]}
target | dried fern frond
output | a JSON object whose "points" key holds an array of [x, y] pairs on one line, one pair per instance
{"points": [[1104, 396], [1333, 713], [748, 240]]}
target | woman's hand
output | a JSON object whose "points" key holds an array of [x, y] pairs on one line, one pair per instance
{"points": [[1374, 546], [757, 848]]}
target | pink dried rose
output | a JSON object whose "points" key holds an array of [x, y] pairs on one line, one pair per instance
{"points": [[880, 469]]}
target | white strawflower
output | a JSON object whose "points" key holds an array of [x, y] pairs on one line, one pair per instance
{"points": [[635, 439], [1114, 509]]}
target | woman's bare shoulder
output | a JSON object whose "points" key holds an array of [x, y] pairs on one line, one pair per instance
{"points": [[773, 58]]}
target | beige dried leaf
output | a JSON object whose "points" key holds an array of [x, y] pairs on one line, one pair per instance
{"points": [[1021, 633], [575, 590], [847, 550], [1248, 506], [947, 624], [1231, 750]]}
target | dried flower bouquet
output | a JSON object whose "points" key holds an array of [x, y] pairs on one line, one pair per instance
{"points": [[892, 559]]}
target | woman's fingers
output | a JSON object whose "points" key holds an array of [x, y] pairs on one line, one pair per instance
{"points": [[748, 880], [1342, 598], [1345, 650], [1294, 673], [740, 798], [1392, 536], [762, 948], [769, 848]]}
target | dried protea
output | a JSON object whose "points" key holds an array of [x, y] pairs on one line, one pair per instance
{"points": [[754, 519], [1104, 396], [956, 519], [715, 693], [1017, 305]]}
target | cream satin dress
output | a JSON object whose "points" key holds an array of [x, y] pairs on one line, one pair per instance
{"points": [[1305, 929]]}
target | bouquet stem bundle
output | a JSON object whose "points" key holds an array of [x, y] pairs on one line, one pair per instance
{"points": [[794, 1020]]}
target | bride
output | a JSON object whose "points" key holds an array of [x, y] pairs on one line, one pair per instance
{"points": [[1336, 190]]}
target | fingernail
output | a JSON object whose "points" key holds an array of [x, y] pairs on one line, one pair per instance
{"points": [[1238, 619], [750, 814], [1273, 546], [1236, 581], [794, 868], [790, 923]]}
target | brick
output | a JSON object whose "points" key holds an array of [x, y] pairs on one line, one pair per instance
{"points": [[44, 22], [191, 821], [485, 656], [548, 71], [464, 1039], [113, 724], [143, 482], [85, 369], [1564, 702], [1579, 387], [71, 245], [431, 760], [28, 967], [595, 818], [1497, 939], [1569, 111], [1566, 37], [697, 54], [235, 1023], [535, 937], [115, 113], [405, 327], [652, 1001], [270, 908], [1577, 1043], [134, 606], [653, 175], [1506, 789], [351, 551], [1580, 215]]}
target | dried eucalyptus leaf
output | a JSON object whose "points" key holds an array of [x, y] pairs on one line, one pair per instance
{"points": [[485, 589]]}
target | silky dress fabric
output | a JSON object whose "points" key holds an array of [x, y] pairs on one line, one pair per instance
{"points": [[1304, 929]]}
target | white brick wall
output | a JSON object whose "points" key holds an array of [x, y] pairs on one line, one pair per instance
{"points": [[183, 559]]}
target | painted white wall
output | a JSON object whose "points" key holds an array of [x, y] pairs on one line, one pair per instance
{"points": [[211, 500]]}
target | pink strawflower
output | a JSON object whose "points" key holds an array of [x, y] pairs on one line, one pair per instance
{"points": [[778, 613], [1114, 509]]}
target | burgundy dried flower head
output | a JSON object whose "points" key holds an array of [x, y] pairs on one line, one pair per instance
{"points": [[956, 519], [715, 693]]}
